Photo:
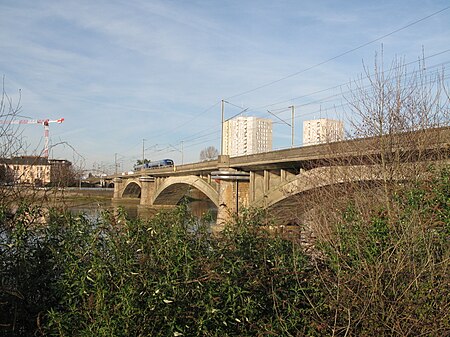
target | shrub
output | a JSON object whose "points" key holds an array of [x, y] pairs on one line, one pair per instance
{"points": [[171, 276], [389, 275]]}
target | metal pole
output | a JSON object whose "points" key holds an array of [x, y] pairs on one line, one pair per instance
{"points": [[182, 154], [143, 151], [292, 124], [237, 196], [221, 141]]}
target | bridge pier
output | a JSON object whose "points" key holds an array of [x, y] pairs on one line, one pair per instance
{"points": [[119, 186], [148, 187], [233, 193]]}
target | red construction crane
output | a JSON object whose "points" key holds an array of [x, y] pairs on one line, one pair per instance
{"points": [[43, 122]]}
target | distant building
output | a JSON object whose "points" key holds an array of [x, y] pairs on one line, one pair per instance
{"points": [[322, 130], [247, 135], [37, 171]]}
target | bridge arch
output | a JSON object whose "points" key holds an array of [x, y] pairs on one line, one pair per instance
{"points": [[318, 178], [171, 191], [132, 189]]}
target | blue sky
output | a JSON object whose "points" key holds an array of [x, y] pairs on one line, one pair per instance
{"points": [[123, 71]]}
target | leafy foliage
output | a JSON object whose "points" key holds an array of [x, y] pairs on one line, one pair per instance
{"points": [[172, 277], [391, 273], [379, 274]]}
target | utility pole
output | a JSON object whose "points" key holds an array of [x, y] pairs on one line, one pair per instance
{"points": [[143, 151], [221, 138], [292, 124], [182, 154], [115, 162]]}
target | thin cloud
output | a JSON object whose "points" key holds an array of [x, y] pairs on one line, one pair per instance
{"points": [[123, 71]]}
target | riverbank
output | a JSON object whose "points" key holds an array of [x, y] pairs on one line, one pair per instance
{"points": [[77, 196]]}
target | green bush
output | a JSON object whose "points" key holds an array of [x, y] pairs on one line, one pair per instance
{"points": [[390, 272], [28, 272], [172, 277]]}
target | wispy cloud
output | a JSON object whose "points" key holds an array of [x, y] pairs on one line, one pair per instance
{"points": [[123, 71]]}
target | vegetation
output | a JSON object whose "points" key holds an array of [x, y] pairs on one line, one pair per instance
{"points": [[379, 266], [376, 275], [387, 271], [141, 162], [209, 153]]}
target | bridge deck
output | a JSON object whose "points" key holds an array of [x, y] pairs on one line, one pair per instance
{"points": [[313, 155]]}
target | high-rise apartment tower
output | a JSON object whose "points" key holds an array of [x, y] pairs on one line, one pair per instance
{"points": [[322, 130], [246, 135]]}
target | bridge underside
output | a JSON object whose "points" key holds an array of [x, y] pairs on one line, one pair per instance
{"points": [[176, 193], [172, 195], [297, 209], [133, 190]]}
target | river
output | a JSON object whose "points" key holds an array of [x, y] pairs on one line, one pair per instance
{"points": [[94, 206]]}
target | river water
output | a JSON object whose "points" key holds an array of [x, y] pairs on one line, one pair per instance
{"points": [[94, 210]]}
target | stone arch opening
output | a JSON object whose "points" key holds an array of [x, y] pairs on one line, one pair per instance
{"points": [[175, 189], [200, 197], [198, 203], [133, 190]]}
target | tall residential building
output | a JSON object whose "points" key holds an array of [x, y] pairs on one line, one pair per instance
{"points": [[322, 130], [246, 135]]}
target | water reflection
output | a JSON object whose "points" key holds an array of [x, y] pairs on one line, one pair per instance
{"points": [[94, 210]]}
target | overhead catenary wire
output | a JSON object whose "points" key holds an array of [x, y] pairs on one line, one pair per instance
{"points": [[202, 136], [340, 86], [351, 81], [332, 98], [310, 68], [342, 105], [327, 99], [339, 55]]}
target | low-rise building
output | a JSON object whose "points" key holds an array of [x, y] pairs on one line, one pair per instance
{"points": [[36, 171]]}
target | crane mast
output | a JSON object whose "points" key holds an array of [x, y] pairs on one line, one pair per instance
{"points": [[44, 122]]}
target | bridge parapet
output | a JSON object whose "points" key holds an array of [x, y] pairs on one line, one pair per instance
{"points": [[262, 180]]}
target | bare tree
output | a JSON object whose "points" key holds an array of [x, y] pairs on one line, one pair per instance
{"points": [[209, 153], [401, 111], [391, 101], [11, 141], [399, 124]]}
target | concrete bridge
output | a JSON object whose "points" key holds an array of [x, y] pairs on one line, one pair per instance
{"points": [[267, 180]]}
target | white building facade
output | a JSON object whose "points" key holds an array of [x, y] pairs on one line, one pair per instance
{"points": [[246, 135], [323, 130]]}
